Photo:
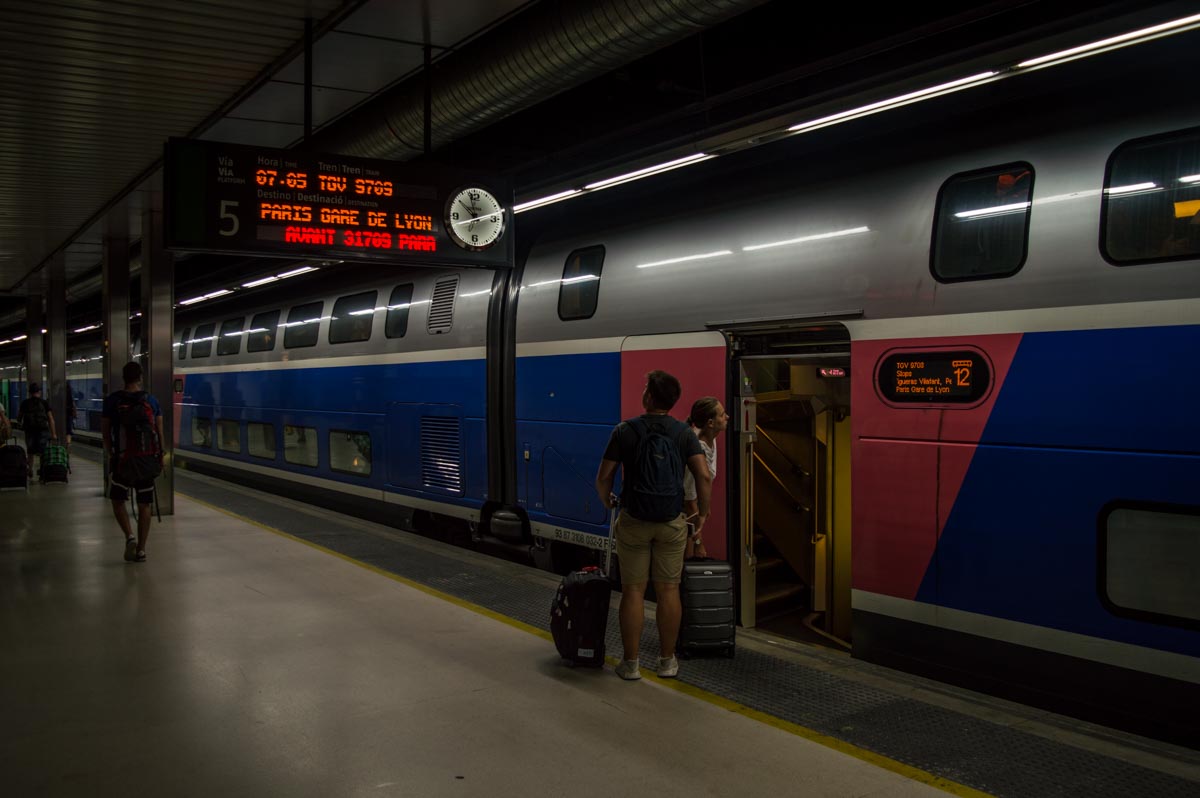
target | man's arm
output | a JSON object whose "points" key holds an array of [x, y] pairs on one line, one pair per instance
{"points": [[698, 465], [605, 477], [162, 449], [50, 420]]}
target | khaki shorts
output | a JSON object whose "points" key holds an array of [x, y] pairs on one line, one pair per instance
{"points": [[650, 550]]}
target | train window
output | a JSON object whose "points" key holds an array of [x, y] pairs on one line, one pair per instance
{"points": [[580, 287], [981, 229], [1151, 204], [1148, 560], [229, 342], [441, 308], [260, 440], [350, 452], [397, 315], [264, 328], [181, 347], [303, 326], [300, 445], [229, 436], [201, 432], [202, 342], [352, 318]]}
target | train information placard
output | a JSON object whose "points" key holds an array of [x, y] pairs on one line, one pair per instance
{"points": [[228, 198], [934, 377]]}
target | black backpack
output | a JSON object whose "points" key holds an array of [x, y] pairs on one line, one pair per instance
{"points": [[654, 491], [38, 417], [139, 452]]}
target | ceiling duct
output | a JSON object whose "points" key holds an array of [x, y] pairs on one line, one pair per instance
{"points": [[553, 47]]}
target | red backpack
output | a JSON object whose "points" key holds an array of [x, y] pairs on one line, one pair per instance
{"points": [[139, 451]]}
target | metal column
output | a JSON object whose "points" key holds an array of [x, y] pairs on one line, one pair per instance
{"points": [[56, 353], [116, 297], [158, 332], [34, 353]]}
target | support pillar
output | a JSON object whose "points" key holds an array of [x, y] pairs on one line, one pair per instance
{"points": [[158, 332], [35, 355], [56, 357], [115, 300]]}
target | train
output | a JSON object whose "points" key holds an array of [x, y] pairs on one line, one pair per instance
{"points": [[957, 343]]}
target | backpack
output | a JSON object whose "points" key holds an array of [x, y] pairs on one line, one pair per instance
{"points": [[139, 452], [37, 418], [654, 491]]}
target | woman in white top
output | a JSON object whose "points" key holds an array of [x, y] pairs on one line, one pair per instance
{"points": [[708, 420]]}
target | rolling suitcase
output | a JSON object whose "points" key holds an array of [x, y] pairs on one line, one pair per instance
{"points": [[55, 463], [709, 617], [579, 616], [13, 468]]}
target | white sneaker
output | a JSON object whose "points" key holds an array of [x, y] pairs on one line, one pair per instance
{"points": [[629, 670], [130, 549], [668, 667]]}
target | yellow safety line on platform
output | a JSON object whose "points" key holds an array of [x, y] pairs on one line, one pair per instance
{"points": [[915, 774]]}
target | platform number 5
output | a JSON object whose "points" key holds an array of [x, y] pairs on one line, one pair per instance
{"points": [[227, 207]]}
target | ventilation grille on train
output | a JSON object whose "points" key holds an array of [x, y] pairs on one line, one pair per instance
{"points": [[440, 448], [441, 311]]}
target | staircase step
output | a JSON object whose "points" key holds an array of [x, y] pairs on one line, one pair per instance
{"points": [[770, 566], [777, 592]]}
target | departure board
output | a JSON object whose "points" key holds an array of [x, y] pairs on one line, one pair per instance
{"points": [[960, 377], [234, 199]]}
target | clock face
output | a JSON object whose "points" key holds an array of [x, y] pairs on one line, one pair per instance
{"points": [[474, 219]]}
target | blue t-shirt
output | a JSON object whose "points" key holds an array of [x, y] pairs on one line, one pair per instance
{"points": [[110, 412]]}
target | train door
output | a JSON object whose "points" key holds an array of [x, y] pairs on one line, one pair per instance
{"points": [[792, 432]]}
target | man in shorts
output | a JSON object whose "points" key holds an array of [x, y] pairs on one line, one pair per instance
{"points": [[651, 530], [38, 421], [115, 440]]}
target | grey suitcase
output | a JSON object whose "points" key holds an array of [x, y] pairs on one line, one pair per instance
{"points": [[709, 615]]}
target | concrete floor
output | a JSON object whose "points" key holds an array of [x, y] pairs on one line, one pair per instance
{"points": [[239, 662]]}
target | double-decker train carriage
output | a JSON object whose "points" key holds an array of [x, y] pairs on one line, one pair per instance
{"points": [[957, 343]]}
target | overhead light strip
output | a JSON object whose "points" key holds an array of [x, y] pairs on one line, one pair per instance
{"points": [[939, 90]]}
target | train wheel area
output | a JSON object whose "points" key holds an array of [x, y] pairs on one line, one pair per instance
{"points": [[320, 648]]}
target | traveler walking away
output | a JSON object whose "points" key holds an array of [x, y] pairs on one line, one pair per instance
{"points": [[131, 429], [652, 451], [38, 422], [5, 427], [708, 420]]}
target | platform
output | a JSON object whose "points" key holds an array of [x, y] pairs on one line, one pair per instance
{"points": [[272, 648]]}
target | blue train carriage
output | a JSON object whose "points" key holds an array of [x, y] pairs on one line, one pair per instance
{"points": [[364, 386]]}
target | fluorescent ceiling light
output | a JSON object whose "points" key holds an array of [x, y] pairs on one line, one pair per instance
{"points": [[1190, 179], [85, 329], [806, 239], [263, 281], [20, 337], [996, 210], [647, 171], [1136, 187], [212, 295], [294, 272], [893, 102], [6, 341], [550, 200], [686, 258], [1123, 39]]}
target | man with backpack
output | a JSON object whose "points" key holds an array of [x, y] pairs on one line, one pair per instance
{"points": [[38, 422], [131, 429], [652, 451]]}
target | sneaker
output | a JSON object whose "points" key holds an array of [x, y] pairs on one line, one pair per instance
{"points": [[668, 667], [130, 549], [141, 557], [629, 670]]}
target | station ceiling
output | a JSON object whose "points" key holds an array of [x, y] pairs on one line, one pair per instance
{"points": [[91, 89]]}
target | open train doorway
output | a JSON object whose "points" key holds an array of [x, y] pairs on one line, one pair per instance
{"points": [[792, 391]]}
